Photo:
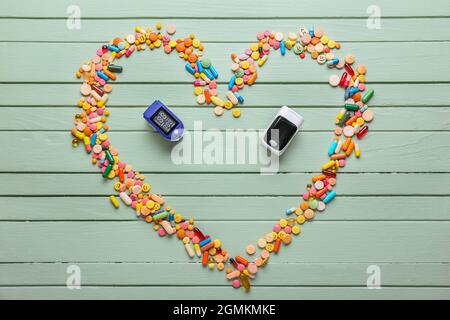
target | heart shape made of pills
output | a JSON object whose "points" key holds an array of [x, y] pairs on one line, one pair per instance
{"points": [[91, 129]]}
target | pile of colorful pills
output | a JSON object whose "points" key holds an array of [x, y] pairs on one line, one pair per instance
{"points": [[91, 129]]}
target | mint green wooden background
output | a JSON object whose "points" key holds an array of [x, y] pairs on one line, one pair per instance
{"points": [[393, 203]]}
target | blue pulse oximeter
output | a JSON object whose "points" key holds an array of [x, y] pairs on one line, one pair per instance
{"points": [[164, 121]]}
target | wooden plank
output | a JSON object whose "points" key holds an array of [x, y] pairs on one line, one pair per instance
{"points": [[320, 241], [212, 30], [256, 208], [170, 274], [260, 95], [219, 9], [160, 67], [220, 293], [317, 119], [237, 151], [373, 184]]}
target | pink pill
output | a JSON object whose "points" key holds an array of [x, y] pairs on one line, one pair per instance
{"points": [[287, 229], [260, 36], [361, 86], [133, 204], [342, 163], [100, 111], [190, 234], [99, 52], [98, 67], [212, 84], [236, 284], [161, 232], [305, 195], [101, 81], [184, 225], [92, 126], [277, 228], [131, 174], [195, 239], [241, 267]]}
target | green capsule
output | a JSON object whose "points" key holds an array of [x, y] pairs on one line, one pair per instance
{"points": [[352, 107], [366, 97], [107, 171], [109, 157], [344, 119], [161, 215]]}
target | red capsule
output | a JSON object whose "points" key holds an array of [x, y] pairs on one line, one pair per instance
{"points": [[362, 132], [199, 234], [121, 175], [343, 78], [349, 70]]}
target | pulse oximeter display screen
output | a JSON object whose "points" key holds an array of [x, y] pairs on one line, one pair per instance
{"points": [[280, 132], [164, 120]]}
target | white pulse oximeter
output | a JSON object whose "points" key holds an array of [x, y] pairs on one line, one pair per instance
{"points": [[282, 130]]}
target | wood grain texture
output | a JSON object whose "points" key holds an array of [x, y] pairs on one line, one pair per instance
{"points": [[156, 66], [237, 151], [392, 208]]}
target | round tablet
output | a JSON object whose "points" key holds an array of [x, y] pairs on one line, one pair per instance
{"points": [[171, 29], [265, 254], [258, 262], [334, 80], [349, 131], [236, 113], [321, 59], [250, 249], [201, 99], [367, 115], [309, 214], [269, 237], [218, 111], [321, 206], [85, 89], [318, 184], [252, 268], [262, 243], [278, 36], [130, 38]]}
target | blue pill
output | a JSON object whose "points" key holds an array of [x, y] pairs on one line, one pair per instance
{"points": [[189, 69]]}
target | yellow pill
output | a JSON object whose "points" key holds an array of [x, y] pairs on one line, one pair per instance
{"points": [[360, 121], [301, 219], [324, 39], [296, 230], [117, 186], [254, 47], [172, 43], [150, 204], [103, 136], [298, 211], [217, 243], [217, 101], [236, 113], [283, 223], [245, 64], [331, 44], [145, 187], [269, 247], [239, 81], [196, 43], [198, 91], [114, 201], [177, 217], [255, 55], [228, 105]]}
